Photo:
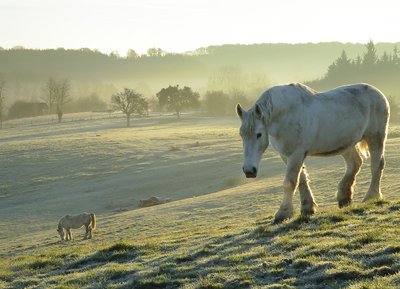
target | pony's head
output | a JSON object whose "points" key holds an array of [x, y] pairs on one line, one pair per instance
{"points": [[60, 231], [255, 137]]}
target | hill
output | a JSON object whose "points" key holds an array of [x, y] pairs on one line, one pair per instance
{"points": [[216, 234], [246, 67], [198, 244]]}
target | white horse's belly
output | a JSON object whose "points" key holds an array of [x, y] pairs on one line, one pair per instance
{"points": [[335, 141]]}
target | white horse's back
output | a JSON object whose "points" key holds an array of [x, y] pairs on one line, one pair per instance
{"points": [[326, 123]]}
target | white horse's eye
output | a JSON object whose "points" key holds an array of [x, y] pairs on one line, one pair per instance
{"points": [[258, 135]]}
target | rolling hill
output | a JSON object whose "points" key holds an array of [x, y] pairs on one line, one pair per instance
{"points": [[218, 232]]}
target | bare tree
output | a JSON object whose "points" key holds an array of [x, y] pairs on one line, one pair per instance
{"points": [[129, 102], [62, 97], [56, 95], [49, 93], [2, 101]]}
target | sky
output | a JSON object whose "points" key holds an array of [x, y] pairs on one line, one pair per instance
{"points": [[184, 25]]}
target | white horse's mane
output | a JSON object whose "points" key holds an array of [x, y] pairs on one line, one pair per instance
{"points": [[275, 97]]}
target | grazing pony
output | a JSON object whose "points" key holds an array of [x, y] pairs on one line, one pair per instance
{"points": [[75, 222], [299, 122]]}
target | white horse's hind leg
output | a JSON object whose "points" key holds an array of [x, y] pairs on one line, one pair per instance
{"points": [[294, 165], [346, 185], [376, 150], [308, 204]]}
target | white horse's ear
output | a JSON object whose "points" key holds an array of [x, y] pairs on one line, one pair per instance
{"points": [[258, 110], [239, 111]]}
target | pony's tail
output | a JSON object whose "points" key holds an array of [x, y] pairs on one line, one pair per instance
{"points": [[93, 217], [362, 147]]}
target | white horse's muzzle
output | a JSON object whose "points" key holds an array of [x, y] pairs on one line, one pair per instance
{"points": [[250, 172]]}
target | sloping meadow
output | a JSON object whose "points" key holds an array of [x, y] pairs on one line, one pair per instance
{"points": [[357, 247], [225, 239]]}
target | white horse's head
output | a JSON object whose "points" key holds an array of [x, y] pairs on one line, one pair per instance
{"points": [[255, 137]]}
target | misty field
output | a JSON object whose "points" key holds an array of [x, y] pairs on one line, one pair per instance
{"points": [[216, 234]]}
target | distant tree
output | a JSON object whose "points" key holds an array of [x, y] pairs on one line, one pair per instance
{"points": [[115, 54], [343, 60], [129, 102], [385, 59], [62, 97], [56, 95], [370, 57], [2, 101], [358, 61], [340, 66], [395, 57], [49, 93], [155, 52], [177, 99], [216, 102], [131, 54], [143, 107]]}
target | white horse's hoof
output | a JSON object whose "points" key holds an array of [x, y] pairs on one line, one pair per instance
{"points": [[309, 209], [282, 215]]}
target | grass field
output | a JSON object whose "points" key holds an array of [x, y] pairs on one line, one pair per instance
{"points": [[218, 232]]}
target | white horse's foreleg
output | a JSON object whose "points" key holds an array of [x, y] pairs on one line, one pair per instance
{"points": [[307, 201], [308, 204], [294, 165], [346, 186], [377, 166]]}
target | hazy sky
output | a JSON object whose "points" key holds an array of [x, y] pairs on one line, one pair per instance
{"points": [[182, 25]]}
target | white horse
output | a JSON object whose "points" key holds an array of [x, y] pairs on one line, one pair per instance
{"points": [[75, 222], [300, 122]]}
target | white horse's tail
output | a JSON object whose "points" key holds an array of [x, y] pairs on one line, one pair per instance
{"points": [[93, 217], [362, 147]]}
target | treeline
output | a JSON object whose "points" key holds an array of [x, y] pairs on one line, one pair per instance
{"points": [[25, 70], [221, 75], [383, 70]]}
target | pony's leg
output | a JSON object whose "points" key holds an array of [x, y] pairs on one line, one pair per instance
{"points": [[346, 186], [87, 231], [307, 201], [293, 168], [70, 234], [376, 150]]}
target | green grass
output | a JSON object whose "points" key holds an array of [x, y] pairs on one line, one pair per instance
{"points": [[357, 247], [220, 240]]}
